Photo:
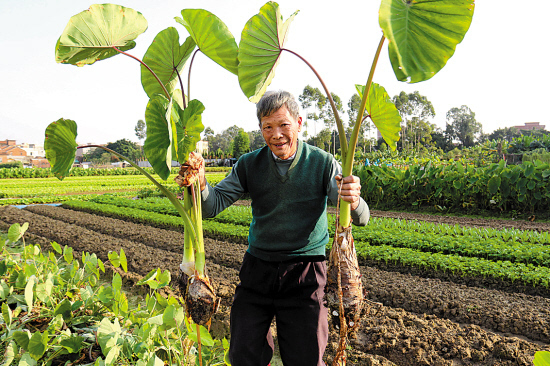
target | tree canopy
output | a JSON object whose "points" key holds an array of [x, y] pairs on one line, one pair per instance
{"points": [[464, 126]]}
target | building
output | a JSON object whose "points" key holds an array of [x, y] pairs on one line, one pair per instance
{"points": [[529, 126], [7, 143], [202, 147], [9, 152]]}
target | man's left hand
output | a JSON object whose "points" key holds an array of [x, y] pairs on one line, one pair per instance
{"points": [[350, 189]]}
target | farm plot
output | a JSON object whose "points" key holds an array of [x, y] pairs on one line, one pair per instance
{"points": [[428, 317]]}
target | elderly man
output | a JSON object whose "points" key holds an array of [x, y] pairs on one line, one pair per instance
{"points": [[283, 274]]}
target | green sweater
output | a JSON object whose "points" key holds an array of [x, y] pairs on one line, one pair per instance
{"points": [[289, 211]]}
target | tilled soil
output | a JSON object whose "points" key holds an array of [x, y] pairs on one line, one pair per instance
{"points": [[425, 319]]}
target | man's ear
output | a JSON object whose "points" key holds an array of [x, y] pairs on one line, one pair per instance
{"points": [[299, 120]]}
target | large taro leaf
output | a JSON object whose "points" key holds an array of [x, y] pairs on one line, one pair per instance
{"points": [[91, 35], [423, 34], [383, 113], [261, 44], [189, 126], [542, 358], [157, 146], [60, 146], [211, 36], [164, 56]]}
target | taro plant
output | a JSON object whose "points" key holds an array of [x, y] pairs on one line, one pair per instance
{"points": [[61, 309], [173, 120], [422, 36]]}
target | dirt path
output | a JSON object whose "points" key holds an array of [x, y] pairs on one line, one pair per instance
{"points": [[423, 321]]}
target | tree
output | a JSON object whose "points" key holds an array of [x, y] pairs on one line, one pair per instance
{"points": [[241, 144], [321, 140], [313, 97], [141, 129], [256, 140], [366, 126], [506, 133], [415, 110], [125, 147], [207, 133], [464, 126]]}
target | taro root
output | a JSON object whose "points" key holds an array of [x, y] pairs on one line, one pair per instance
{"points": [[200, 299]]}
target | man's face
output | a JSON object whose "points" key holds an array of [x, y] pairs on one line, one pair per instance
{"points": [[280, 131]]}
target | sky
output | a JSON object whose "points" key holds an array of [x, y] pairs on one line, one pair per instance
{"points": [[499, 70]]}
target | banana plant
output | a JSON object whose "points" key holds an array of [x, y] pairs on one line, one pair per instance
{"points": [[174, 121], [422, 36]]}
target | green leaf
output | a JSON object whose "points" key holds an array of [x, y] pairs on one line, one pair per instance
{"points": [[64, 308], [6, 314], [117, 281], [155, 361], [206, 338], [72, 344], [494, 184], [423, 34], [164, 56], [542, 358], [56, 247], [260, 47], [157, 146], [60, 146], [27, 360], [383, 113], [114, 259], [93, 34], [22, 338], [11, 351], [16, 231], [172, 316], [108, 334], [189, 126], [164, 278], [38, 345], [211, 36], [29, 293], [529, 169], [155, 320], [149, 277], [123, 260]]}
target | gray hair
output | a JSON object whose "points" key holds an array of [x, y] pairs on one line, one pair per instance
{"points": [[272, 101]]}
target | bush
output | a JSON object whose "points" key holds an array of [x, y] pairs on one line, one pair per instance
{"points": [[12, 164]]}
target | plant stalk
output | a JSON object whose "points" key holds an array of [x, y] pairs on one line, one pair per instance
{"points": [[189, 75], [339, 124], [148, 68], [347, 161], [177, 204]]}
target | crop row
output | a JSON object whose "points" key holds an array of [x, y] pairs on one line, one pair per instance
{"points": [[45, 190], [8, 173], [502, 187], [211, 228], [242, 215], [380, 246]]}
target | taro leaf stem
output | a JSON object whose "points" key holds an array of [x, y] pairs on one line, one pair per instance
{"points": [[341, 131], [347, 160], [181, 86], [150, 70], [189, 74], [177, 204], [199, 342]]}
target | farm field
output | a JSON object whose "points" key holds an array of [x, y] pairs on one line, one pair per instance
{"points": [[430, 314]]}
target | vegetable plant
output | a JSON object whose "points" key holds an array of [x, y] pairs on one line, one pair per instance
{"points": [[422, 36], [173, 120], [58, 309]]}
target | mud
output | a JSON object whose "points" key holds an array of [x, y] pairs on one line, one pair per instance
{"points": [[425, 318]]}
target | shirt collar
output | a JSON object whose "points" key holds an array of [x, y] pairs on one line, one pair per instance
{"points": [[278, 159]]}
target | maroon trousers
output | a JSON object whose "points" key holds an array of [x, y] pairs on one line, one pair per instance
{"points": [[292, 292]]}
